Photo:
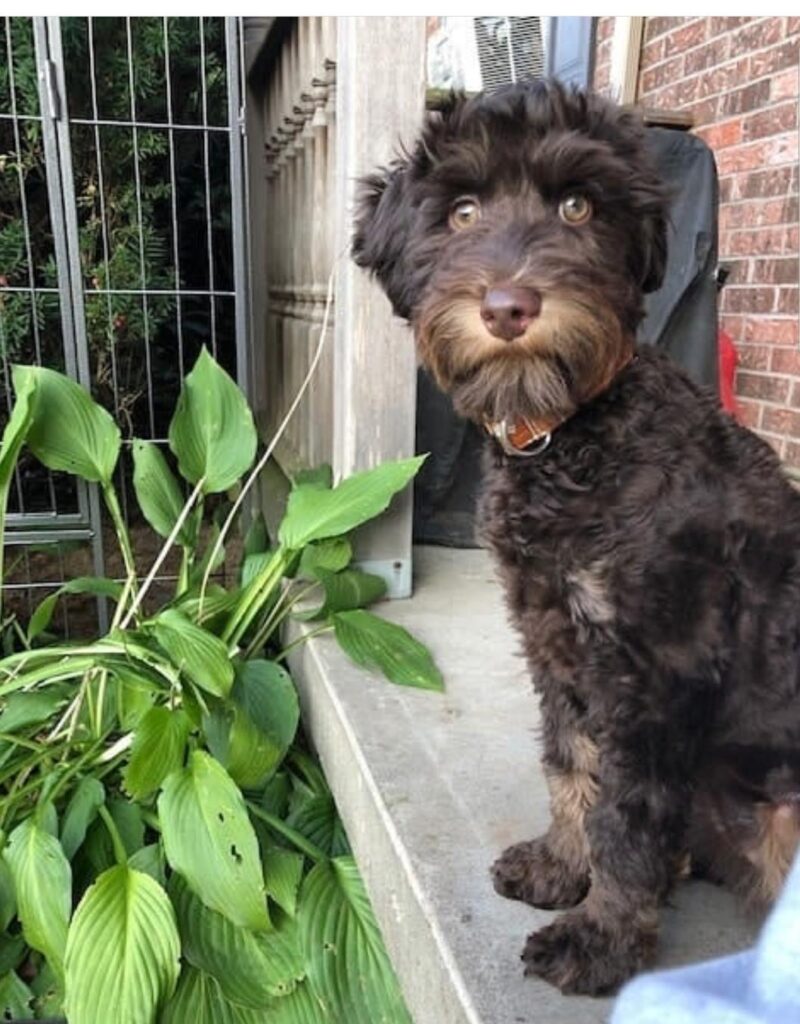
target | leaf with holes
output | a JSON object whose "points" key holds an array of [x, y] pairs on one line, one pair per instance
{"points": [[199, 654], [16, 999], [314, 514], [209, 839], [123, 950], [70, 431], [348, 968], [212, 432], [252, 969], [158, 747], [43, 884], [375, 643], [158, 492]]}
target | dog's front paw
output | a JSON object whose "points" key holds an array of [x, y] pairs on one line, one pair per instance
{"points": [[580, 955], [532, 873]]}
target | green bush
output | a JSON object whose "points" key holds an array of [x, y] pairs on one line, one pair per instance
{"points": [[168, 852]]}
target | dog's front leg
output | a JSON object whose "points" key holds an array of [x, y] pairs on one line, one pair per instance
{"points": [[552, 871], [635, 831]]}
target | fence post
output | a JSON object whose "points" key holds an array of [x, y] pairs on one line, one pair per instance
{"points": [[380, 99]]}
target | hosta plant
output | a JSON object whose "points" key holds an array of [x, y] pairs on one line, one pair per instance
{"points": [[169, 854]]}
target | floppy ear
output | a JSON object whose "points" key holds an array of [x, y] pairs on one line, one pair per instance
{"points": [[382, 225]]}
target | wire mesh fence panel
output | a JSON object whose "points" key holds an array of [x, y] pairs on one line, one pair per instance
{"points": [[144, 113]]}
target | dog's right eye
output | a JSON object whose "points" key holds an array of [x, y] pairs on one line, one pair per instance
{"points": [[464, 213]]}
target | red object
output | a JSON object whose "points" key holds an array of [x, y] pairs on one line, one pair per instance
{"points": [[728, 358]]}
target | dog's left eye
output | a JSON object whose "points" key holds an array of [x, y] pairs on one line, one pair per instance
{"points": [[575, 209], [464, 213]]}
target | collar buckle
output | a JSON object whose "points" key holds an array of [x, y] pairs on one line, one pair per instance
{"points": [[503, 432]]}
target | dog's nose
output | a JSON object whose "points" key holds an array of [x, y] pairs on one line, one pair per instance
{"points": [[507, 311]]}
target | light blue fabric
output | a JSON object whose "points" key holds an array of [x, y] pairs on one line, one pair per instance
{"points": [[759, 986]]}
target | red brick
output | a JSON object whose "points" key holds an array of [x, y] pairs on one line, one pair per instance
{"points": [[761, 32], [605, 28], [742, 158], [785, 85], [781, 421], [775, 332], [652, 53], [726, 189], [713, 53], [681, 39], [662, 74], [749, 412], [748, 300], [772, 121], [753, 357], [719, 25], [775, 59], [658, 26], [791, 454], [773, 182], [724, 78], [792, 26], [786, 302], [741, 101], [786, 360], [758, 213], [602, 77], [720, 136], [776, 271], [704, 112], [768, 389], [795, 399]]}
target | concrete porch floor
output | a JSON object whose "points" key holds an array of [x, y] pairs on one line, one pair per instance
{"points": [[431, 787]]}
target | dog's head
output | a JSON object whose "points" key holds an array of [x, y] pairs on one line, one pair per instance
{"points": [[518, 237]]}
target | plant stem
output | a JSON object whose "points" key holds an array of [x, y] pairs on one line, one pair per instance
{"points": [[112, 503], [281, 609], [300, 841], [116, 840], [254, 473], [326, 628], [253, 597]]}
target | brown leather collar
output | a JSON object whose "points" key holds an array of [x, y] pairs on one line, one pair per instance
{"points": [[525, 436]]}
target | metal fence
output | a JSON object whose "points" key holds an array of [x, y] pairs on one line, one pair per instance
{"points": [[122, 245]]}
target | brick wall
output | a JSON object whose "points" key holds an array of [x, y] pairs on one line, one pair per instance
{"points": [[738, 78]]}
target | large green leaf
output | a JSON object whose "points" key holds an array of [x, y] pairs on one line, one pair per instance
{"points": [[375, 643], [31, 707], [15, 998], [283, 870], [157, 491], [43, 883], [202, 656], [199, 999], [348, 968], [317, 819], [158, 747], [19, 423], [329, 555], [100, 586], [209, 839], [212, 432], [70, 431], [123, 951], [87, 798], [344, 590], [251, 969], [265, 718], [8, 898], [313, 513]]}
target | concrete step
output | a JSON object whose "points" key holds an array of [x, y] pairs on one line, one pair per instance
{"points": [[432, 787]]}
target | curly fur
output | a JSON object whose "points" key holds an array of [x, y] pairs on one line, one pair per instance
{"points": [[649, 555]]}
